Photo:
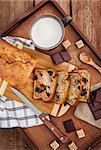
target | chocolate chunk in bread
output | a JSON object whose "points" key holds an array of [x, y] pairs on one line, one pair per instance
{"points": [[37, 89], [83, 92], [50, 72]]}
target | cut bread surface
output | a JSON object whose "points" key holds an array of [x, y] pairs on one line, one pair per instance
{"points": [[74, 89], [45, 82], [85, 85], [62, 87]]}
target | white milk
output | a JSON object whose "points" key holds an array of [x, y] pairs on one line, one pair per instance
{"points": [[46, 32]]}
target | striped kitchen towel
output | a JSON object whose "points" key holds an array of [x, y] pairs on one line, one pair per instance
{"points": [[13, 113]]}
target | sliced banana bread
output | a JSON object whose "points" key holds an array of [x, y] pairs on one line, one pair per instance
{"points": [[62, 87], [75, 88], [45, 82], [85, 85]]}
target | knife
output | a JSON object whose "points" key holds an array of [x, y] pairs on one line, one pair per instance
{"points": [[42, 116]]}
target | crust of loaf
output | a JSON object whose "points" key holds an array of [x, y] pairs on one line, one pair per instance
{"points": [[15, 65], [74, 93], [62, 87], [85, 85], [47, 80]]}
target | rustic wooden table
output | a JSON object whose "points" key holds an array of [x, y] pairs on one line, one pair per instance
{"points": [[86, 14]]}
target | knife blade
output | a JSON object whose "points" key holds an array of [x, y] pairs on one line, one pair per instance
{"points": [[42, 116]]}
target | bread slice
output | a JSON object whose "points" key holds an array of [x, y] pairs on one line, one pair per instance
{"points": [[45, 82], [62, 87], [74, 89], [85, 85]]}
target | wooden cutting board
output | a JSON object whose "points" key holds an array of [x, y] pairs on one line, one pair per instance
{"points": [[44, 61]]}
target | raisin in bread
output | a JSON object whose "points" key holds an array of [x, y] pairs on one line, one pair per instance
{"points": [[45, 82], [62, 87], [85, 85], [74, 89]]}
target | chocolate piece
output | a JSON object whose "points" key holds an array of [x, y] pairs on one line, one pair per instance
{"points": [[79, 87], [94, 103], [50, 72], [57, 58], [84, 92], [69, 126], [57, 96], [84, 80], [48, 94], [92, 97], [35, 78], [65, 55], [95, 106], [37, 89], [97, 114], [95, 110], [65, 103], [98, 96]]}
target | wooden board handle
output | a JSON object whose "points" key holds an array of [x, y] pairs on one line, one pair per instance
{"points": [[3, 87], [53, 129]]}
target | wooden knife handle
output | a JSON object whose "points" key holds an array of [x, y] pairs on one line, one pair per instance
{"points": [[53, 129]]}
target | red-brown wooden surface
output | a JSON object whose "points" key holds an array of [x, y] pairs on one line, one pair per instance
{"points": [[86, 14]]}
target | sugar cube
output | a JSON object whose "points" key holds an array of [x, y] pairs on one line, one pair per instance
{"points": [[80, 133], [66, 44], [54, 145], [79, 44], [72, 146]]}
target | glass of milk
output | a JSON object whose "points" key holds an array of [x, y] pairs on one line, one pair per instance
{"points": [[47, 32]]}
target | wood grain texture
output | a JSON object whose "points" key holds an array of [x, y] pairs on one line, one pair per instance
{"points": [[11, 9], [87, 16], [89, 23], [11, 140]]}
